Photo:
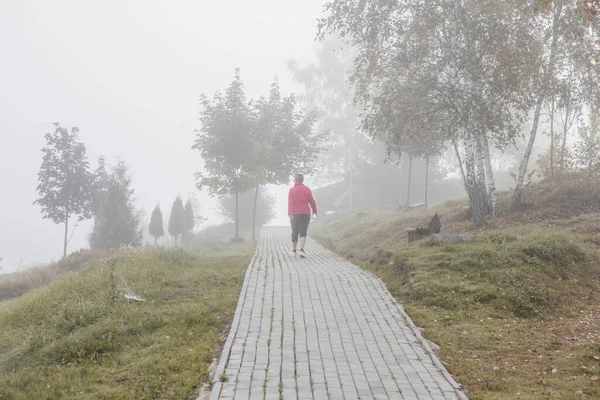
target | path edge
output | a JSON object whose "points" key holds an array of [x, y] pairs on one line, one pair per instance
{"points": [[217, 385], [414, 328], [424, 341]]}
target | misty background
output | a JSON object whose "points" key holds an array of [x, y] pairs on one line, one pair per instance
{"points": [[129, 75]]}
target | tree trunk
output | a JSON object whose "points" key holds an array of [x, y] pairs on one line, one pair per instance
{"points": [[476, 194], [155, 241], [478, 211], [351, 186], [552, 140], [460, 163], [480, 167], [349, 164], [426, 180], [237, 219], [566, 125], [66, 234], [564, 139], [491, 181], [410, 159], [517, 200], [254, 214]]}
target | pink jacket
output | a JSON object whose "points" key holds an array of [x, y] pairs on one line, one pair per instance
{"points": [[299, 199]]}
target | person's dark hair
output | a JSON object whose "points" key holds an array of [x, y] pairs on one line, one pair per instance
{"points": [[299, 178]]}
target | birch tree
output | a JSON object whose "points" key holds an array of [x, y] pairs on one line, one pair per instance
{"points": [[437, 65], [569, 42], [587, 149]]}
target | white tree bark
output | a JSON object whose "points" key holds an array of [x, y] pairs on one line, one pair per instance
{"points": [[477, 196], [491, 181], [460, 161], [409, 182], [480, 154], [552, 140], [427, 181], [517, 200]]}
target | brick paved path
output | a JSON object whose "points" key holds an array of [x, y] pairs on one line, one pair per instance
{"points": [[322, 328]]}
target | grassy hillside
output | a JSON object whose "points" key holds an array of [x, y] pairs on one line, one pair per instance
{"points": [[516, 312], [16, 284], [79, 338]]}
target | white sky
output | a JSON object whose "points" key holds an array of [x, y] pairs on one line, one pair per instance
{"points": [[128, 73]]}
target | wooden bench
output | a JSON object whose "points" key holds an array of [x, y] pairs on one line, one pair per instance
{"points": [[434, 226]]}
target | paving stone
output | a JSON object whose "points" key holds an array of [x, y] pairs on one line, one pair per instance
{"points": [[322, 328]]}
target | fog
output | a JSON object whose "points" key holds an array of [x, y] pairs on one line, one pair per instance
{"points": [[131, 74], [128, 74]]}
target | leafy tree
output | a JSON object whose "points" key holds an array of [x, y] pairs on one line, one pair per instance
{"points": [[99, 179], [568, 62], [226, 144], [587, 150], [285, 141], [556, 152], [156, 228], [196, 205], [590, 9], [265, 211], [190, 221], [327, 90], [434, 69], [64, 179], [177, 222], [571, 103], [349, 153], [116, 222]]}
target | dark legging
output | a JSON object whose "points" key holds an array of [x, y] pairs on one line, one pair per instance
{"points": [[299, 226]]}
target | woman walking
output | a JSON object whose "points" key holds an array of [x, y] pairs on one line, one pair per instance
{"points": [[300, 204]]}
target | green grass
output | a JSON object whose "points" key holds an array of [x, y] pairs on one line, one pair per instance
{"points": [[78, 338], [501, 307]]}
